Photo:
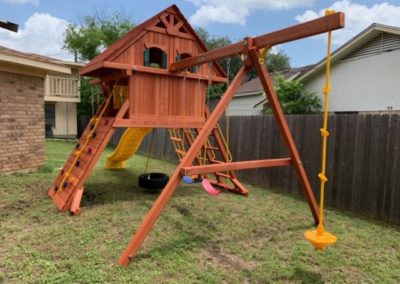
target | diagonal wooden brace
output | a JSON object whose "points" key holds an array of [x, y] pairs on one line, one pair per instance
{"points": [[267, 84], [165, 196]]}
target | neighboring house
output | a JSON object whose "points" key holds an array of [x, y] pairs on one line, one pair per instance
{"points": [[365, 73], [250, 97], [61, 95], [22, 100]]}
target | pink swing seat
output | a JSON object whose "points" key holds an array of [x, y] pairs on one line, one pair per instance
{"points": [[209, 188]]}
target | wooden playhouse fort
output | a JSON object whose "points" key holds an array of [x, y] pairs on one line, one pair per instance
{"points": [[156, 76]]}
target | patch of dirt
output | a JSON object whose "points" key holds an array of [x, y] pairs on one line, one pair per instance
{"points": [[182, 210], [40, 186], [211, 255], [8, 209]]}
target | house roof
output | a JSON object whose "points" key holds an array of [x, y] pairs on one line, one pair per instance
{"points": [[254, 86], [353, 44], [36, 61], [129, 38]]}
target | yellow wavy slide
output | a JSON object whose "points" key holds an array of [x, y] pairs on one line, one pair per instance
{"points": [[127, 147]]}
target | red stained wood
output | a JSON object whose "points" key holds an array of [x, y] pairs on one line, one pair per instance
{"points": [[307, 29], [170, 188], [162, 97], [234, 166], [273, 101]]}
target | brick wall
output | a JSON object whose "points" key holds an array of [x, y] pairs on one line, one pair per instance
{"points": [[22, 144]]}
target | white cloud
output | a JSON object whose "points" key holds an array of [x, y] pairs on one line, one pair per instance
{"points": [[237, 11], [32, 2], [358, 17], [41, 34]]}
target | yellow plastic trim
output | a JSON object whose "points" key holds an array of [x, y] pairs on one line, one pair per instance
{"points": [[127, 146]]}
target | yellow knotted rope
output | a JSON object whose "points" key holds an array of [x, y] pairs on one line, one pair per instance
{"points": [[324, 129], [319, 237]]}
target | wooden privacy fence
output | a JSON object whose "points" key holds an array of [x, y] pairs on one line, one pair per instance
{"points": [[363, 158]]}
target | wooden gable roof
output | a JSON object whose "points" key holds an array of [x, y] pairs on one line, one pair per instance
{"points": [[159, 21]]}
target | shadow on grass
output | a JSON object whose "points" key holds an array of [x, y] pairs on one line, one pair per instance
{"points": [[122, 185], [185, 238], [306, 276]]}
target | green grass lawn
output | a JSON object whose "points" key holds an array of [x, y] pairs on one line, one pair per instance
{"points": [[198, 239]]}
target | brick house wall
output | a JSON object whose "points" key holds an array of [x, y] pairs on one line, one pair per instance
{"points": [[22, 139]]}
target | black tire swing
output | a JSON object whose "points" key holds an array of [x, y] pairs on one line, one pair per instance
{"points": [[152, 182]]}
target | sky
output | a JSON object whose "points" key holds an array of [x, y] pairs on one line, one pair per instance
{"points": [[43, 22]]}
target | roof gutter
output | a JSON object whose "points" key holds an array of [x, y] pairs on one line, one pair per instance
{"points": [[17, 60]]}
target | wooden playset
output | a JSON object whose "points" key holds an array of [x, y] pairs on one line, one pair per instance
{"points": [[156, 76]]}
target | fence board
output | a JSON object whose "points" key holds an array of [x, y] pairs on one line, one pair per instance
{"points": [[363, 167]]}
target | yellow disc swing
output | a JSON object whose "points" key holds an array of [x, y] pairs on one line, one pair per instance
{"points": [[319, 237]]}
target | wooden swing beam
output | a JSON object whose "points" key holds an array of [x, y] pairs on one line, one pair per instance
{"points": [[249, 47], [307, 29]]}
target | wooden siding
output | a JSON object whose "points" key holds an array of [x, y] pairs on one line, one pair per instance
{"points": [[244, 105], [384, 42], [368, 84], [165, 97]]}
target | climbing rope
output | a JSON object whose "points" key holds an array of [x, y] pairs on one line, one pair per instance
{"points": [[320, 238]]}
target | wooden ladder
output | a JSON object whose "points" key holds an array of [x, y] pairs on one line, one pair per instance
{"points": [[72, 182], [67, 189], [214, 151]]}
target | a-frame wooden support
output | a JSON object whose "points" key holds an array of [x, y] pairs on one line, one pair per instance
{"points": [[165, 196], [67, 193], [161, 202]]}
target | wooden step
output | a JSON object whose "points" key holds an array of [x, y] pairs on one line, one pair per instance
{"points": [[223, 175], [217, 162], [212, 148], [180, 152], [176, 139]]}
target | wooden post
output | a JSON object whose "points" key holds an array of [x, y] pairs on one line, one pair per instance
{"points": [[285, 131], [131, 96], [165, 196], [76, 201]]}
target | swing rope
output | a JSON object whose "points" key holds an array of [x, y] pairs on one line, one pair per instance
{"points": [[320, 238], [149, 155]]}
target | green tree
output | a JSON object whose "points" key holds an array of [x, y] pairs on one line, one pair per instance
{"points": [[275, 62], [89, 39], [96, 33], [230, 65], [294, 98]]}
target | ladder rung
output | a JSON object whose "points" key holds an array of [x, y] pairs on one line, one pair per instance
{"points": [[176, 139], [217, 162], [180, 152], [212, 148], [223, 175]]}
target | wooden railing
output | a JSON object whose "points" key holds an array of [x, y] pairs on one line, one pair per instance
{"points": [[62, 86]]}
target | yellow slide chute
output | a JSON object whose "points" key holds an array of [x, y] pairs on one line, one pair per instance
{"points": [[127, 147]]}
